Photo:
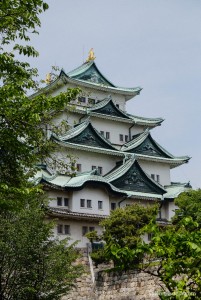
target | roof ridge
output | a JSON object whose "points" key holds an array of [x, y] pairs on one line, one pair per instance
{"points": [[138, 140]]}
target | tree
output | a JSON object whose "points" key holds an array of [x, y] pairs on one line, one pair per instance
{"points": [[176, 250], [33, 266], [189, 204], [22, 118], [123, 231]]}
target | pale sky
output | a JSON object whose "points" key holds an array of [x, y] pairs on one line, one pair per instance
{"points": [[155, 44]]}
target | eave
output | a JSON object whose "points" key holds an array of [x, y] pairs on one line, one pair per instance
{"points": [[121, 176], [173, 162], [69, 215], [136, 120], [127, 93], [175, 189], [90, 149], [78, 182], [144, 196]]}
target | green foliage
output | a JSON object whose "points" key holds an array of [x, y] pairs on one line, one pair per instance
{"points": [[189, 204], [92, 235], [32, 264], [177, 250], [99, 256], [23, 119], [123, 232], [18, 18]]}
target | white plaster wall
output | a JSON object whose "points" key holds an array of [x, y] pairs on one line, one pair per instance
{"points": [[136, 129], [95, 94], [161, 169], [88, 159], [171, 209], [168, 210], [76, 231], [115, 128], [165, 210], [52, 195], [70, 117], [93, 194]]}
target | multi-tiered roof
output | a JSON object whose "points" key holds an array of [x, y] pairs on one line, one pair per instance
{"points": [[127, 179]]}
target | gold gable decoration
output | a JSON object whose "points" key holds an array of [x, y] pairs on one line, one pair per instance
{"points": [[48, 78], [91, 55]]}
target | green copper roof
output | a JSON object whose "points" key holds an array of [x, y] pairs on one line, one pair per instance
{"points": [[66, 213], [86, 138], [107, 107], [59, 181], [129, 176], [89, 72], [85, 134], [143, 145], [88, 75], [175, 189]]}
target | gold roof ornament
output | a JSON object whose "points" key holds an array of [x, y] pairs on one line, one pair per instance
{"points": [[91, 55], [48, 78]]}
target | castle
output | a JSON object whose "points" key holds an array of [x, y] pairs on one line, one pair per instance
{"points": [[117, 161]]}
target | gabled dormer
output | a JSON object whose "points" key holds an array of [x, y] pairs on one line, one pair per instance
{"points": [[145, 147], [89, 72], [129, 176], [144, 144], [86, 135], [107, 107]]}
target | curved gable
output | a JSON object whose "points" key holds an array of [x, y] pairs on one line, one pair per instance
{"points": [[89, 72], [90, 137], [134, 179], [149, 147]]}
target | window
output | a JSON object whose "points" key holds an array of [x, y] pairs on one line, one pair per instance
{"points": [[159, 213], [79, 167], [155, 177], [91, 101], [89, 203], [121, 137], [67, 229], [82, 99], [66, 202], [100, 204], [113, 206], [82, 202], [107, 135], [102, 133], [73, 166], [59, 228], [126, 138], [100, 170], [63, 229], [84, 230], [59, 201], [117, 105], [150, 236]]}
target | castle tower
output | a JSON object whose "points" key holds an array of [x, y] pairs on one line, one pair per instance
{"points": [[117, 161]]}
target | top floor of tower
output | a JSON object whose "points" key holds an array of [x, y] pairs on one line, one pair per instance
{"points": [[94, 85]]}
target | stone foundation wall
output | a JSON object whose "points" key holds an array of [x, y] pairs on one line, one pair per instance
{"points": [[132, 285], [108, 285]]}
